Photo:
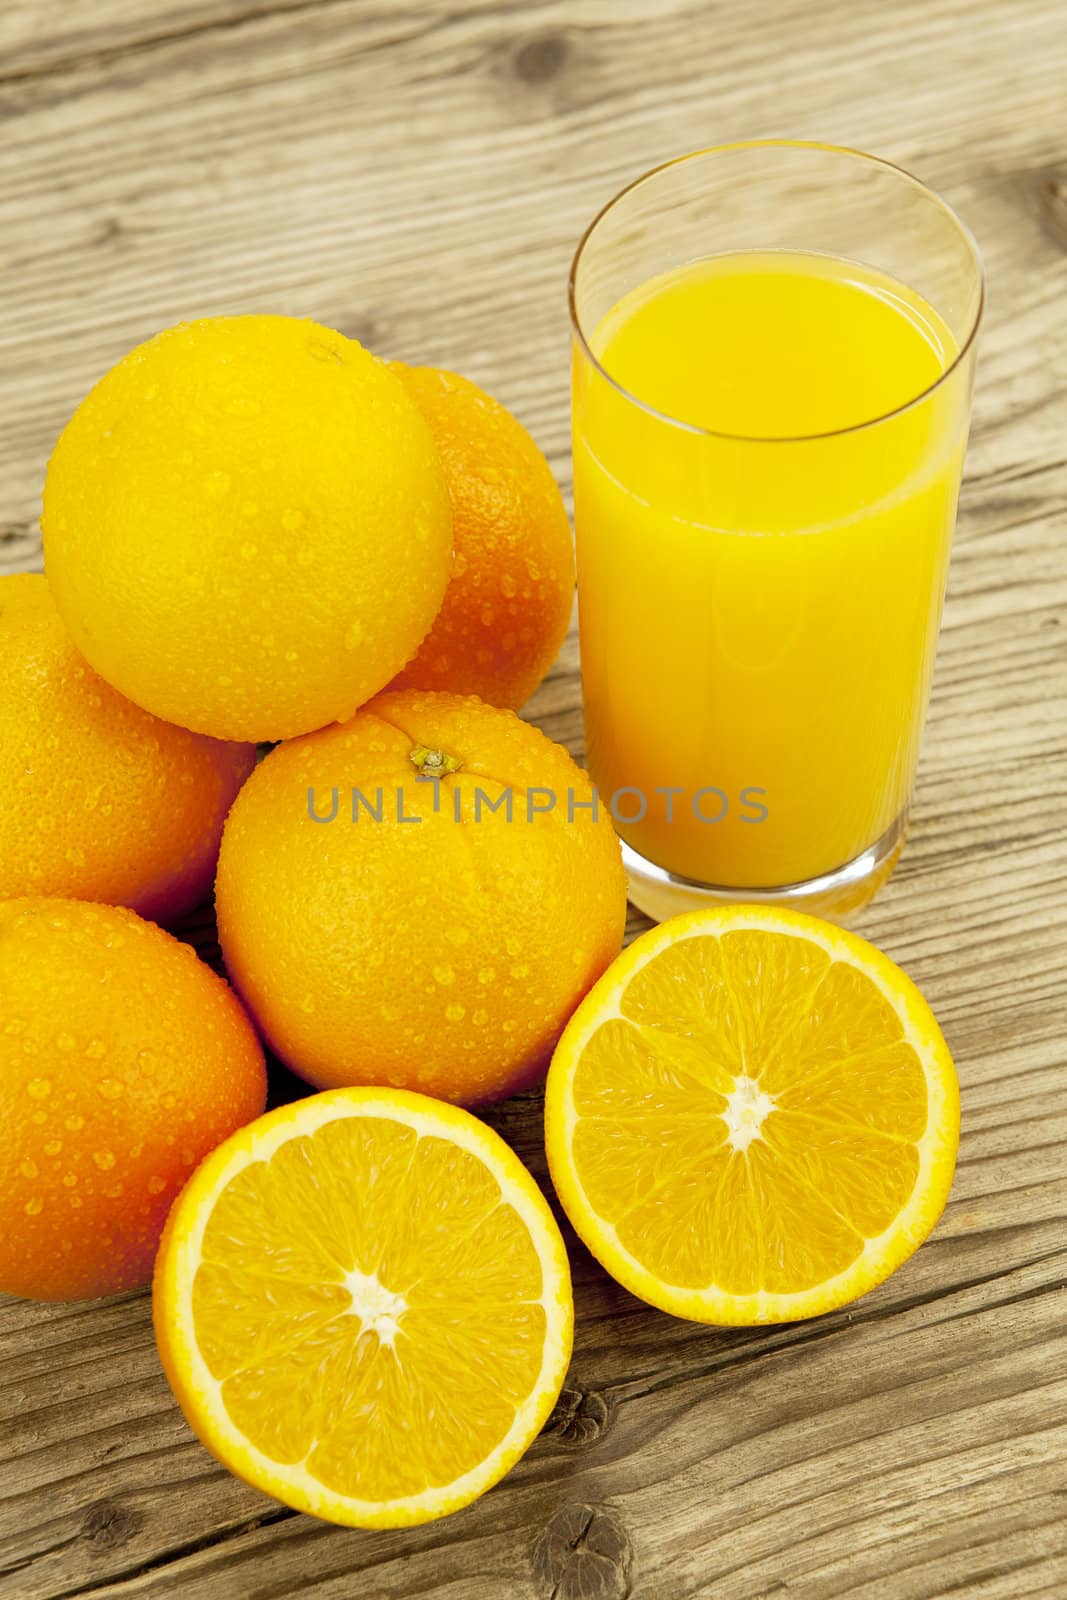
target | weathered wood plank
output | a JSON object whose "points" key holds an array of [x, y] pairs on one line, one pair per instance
{"points": [[865, 1427], [417, 175]]}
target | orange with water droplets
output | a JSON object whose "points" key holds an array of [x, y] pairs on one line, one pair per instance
{"points": [[123, 1062], [102, 801], [246, 526], [432, 943], [508, 604]]}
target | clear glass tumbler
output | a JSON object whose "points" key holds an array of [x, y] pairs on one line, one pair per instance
{"points": [[773, 360]]}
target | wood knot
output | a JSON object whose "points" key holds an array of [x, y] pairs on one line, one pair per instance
{"points": [[580, 1417], [108, 1525], [364, 330], [583, 1554], [1052, 196], [540, 60], [108, 230]]}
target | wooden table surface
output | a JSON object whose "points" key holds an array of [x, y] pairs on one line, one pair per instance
{"points": [[417, 175]]}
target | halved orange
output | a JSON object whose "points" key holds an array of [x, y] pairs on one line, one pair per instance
{"points": [[363, 1305], [752, 1117]]}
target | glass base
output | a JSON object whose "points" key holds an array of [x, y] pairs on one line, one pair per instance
{"points": [[837, 895]]}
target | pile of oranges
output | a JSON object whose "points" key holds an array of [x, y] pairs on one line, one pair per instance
{"points": [[257, 533], [252, 527]]}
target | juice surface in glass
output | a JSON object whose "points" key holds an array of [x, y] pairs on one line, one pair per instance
{"points": [[761, 579]]}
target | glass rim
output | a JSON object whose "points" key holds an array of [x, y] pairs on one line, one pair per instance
{"points": [[777, 144]]}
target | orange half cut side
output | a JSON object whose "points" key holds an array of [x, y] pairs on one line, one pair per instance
{"points": [[363, 1305], [752, 1117]]}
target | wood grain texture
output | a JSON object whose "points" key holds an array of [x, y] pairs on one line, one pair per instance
{"points": [[417, 175]]}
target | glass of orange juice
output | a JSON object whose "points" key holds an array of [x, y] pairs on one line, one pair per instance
{"points": [[773, 361]]}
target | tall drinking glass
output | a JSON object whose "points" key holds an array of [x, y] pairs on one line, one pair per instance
{"points": [[774, 352]]}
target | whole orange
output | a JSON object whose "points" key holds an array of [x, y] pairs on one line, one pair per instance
{"points": [[508, 603], [123, 1062], [423, 932], [102, 801], [246, 526]]}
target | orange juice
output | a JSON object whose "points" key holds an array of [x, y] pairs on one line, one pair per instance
{"points": [[766, 474]]}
